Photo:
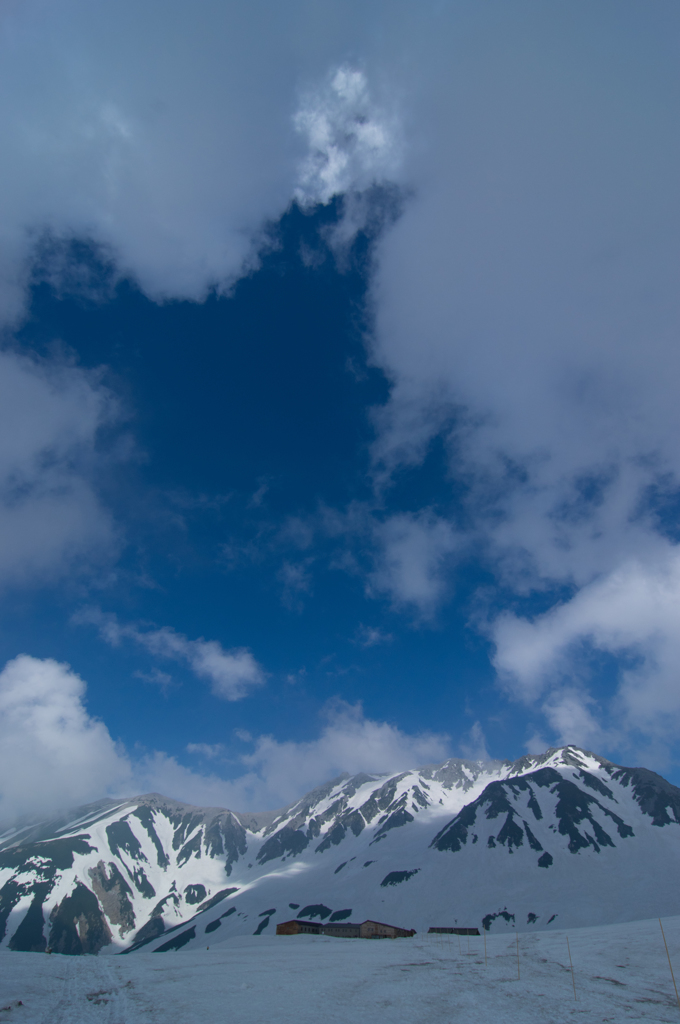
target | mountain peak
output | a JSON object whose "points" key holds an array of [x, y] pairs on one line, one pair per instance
{"points": [[557, 839]]}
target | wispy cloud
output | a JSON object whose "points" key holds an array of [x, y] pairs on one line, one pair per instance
{"points": [[162, 680], [473, 746], [258, 496], [296, 578], [414, 554], [211, 751], [232, 673], [371, 636]]}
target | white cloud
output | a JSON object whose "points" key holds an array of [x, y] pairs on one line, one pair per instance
{"points": [[536, 744], [51, 518], [572, 712], [349, 742], [413, 555], [632, 614], [232, 674], [352, 145], [525, 293], [169, 137], [54, 755], [158, 772], [524, 311], [52, 752], [527, 282], [279, 772], [129, 144], [473, 746]]}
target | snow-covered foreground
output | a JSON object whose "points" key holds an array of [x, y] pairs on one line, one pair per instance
{"points": [[620, 971]]}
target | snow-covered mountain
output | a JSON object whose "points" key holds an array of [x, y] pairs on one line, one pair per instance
{"points": [[558, 840]]}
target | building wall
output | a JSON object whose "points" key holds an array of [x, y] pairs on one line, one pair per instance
{"points": [[342, 932], [287, 928], [367, 930], [298, 928], [378, 930]]}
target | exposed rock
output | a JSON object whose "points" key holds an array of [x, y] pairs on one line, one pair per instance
{"points": [[78, 924], [114, 895]]}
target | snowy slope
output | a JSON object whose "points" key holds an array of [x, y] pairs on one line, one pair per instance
{"points": [[562, 840], [620, 974]]}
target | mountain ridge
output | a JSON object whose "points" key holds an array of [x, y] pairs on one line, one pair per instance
{"points": [[562, 836], [27, 827]]}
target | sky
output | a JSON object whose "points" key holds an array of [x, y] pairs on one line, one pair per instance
{"points": [[339, 376]]}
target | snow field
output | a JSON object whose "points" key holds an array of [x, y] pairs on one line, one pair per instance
{"points": [[621, 973]]}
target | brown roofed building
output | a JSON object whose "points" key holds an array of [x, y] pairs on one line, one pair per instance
{"points": [[299, 928], [342, 930], [378, 930], [345, 929]]}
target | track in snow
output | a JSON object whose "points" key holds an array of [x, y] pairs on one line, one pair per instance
{"points": [[621, 974]]}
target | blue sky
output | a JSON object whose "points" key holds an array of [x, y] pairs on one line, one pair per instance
{"points": [[339, 379]]}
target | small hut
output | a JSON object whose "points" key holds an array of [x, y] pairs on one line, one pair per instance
{"points": [[454, 931]]}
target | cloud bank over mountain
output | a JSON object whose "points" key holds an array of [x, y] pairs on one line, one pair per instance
{"points": [[55, 754], [52, 752]]}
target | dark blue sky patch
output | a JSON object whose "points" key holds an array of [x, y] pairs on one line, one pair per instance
{"points": [[250, 415]]}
